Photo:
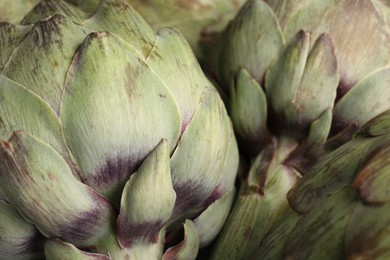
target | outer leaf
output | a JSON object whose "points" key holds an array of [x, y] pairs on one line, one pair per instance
{"points": [[117, 17], [333, 172], [378, 125], [368, 233], [10, 37], [367, 99], [43, 58], [20, 109], [19, 239], [188, 248], [147, 201], [58, 250], [320, 233], [271, 246], [47, 8], [358, 52], [248, 109], [196, 173], [114, 119], [12, 11], [285, 9], [318, 132], [211, 220], [373, 180], [37, 181], [183, 75]]}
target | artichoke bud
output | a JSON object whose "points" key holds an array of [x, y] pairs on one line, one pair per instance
{"points": [[308, 85], [19, 239], [57, 214], [254, 29]]}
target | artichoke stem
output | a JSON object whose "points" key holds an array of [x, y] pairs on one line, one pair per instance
{"points": [[261, 201]]}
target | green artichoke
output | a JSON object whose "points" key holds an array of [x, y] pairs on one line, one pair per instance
{"points": [[299, 80], [104, 126], [342, 205]]}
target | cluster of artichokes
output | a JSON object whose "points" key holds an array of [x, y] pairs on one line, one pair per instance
{"points": [[115, 142]]}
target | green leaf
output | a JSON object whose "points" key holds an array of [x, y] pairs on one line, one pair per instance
{"points": [[20, 109], [58, 250], [271, 246], [318, 133], [19, 239], [147, 201], [42, 60], [281, 90], [319, 234], [196, 173], [47, 8], [330, 174], [119, 18], [10, 37], [37, 181], [378, 125], [175, 64], [373, 179], [12, 11], [188, 248], [114, 119], [367, 99], [210, 222], [368, 233], [248, 110]]}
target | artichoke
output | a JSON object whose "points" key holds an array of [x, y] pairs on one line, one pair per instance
{"points": [[104, 126], [299, 80], [341, 206]]}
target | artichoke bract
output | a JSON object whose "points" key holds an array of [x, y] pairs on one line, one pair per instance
{"points": [[198, 21], [299, 79], [104, 127], [341, 206]]}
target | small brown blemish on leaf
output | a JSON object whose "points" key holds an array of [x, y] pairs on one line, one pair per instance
{"points": [[162, 95]]}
